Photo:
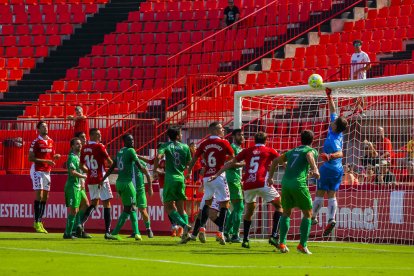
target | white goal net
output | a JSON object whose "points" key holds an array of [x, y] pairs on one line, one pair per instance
{"points": [[376, 198]]}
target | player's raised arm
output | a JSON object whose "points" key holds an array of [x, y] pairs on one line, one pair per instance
{"points": [[331, 104]]}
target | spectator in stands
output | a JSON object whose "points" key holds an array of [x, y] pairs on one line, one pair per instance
{"points": [[359, 62], [385, 176], [81, 122], [350, 178], [383, 145], [370, 155], [408, 178], [370, 174], [231, 14]]}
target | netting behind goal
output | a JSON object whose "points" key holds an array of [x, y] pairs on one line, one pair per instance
{"points": [[367, 211]]}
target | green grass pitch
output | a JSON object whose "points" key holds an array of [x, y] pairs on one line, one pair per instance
{"points": [[39, 254]]}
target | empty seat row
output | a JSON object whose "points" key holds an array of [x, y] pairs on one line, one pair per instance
{"points": [[15, 63], [27, 40], [36, 29], [45, 9]]}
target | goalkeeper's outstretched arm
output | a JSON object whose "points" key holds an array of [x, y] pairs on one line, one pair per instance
{"points": [[331, 103]]}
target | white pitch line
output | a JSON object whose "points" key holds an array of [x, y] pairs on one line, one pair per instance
{"points": [[198, 264]]}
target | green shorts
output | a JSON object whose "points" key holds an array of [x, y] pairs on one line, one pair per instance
{"points": [[126, 191], [235, 190], [83, 195], [141, 198], [72, 196], [174, 190], [296, 197]]}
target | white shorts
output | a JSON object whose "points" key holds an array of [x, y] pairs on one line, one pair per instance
{"points": [[41, 180], [102, 193], [214, 204], [268, 193], [217, 189]]}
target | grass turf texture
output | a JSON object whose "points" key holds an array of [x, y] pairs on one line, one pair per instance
{"points": [[40, 254]]}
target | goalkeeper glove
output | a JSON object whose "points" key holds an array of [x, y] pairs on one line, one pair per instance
{"points": [[326, 157]]}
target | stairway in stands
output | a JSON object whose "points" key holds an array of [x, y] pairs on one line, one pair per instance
{"points": [[66, 56]]}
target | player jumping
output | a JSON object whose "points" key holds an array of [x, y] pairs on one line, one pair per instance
{"points": [[256, 161], [214, 151], [126, 159], [295, 190], [73, 186], [177, 155], [331, 171], [93, 158], [42, 154]]}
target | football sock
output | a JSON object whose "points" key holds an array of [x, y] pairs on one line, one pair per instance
{"points": [[36, 210], [107, 218], [197, 225], [332, 206], [171, 221], [78, 217], [148, 224], [215, 221], [317, 205], [42, 209], [276, 220], [134, 222], [177, 218], [87, 213], [185, 218], [284, 228], [305, 228], [204, 215], [121, 221], [69, 224], [222, 218], [246, 229], [238, 209]]}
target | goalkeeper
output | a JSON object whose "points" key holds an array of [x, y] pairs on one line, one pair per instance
{"points": [[331, 171]]}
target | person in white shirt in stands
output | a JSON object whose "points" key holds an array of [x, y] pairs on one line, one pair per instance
{"points": [[360, 62]]}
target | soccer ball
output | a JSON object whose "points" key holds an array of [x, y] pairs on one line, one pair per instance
{"points": [[315, 81]]}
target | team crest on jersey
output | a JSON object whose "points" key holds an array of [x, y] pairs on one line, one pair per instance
{"points": [[211, 171], [94, 173], [252, 178]]}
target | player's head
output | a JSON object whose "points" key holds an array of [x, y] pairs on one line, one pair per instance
{"points": [[41, 126], [230, 3], [76, 144], [380, 132], [82, 136], [79, 111], [215, 128], [174, 133], [306, 137], [340, 124], [238, 136], [193, 147], [128, 140], [357, 45], [95, 135], [260, 137]]}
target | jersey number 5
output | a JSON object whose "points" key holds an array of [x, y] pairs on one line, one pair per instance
{"points": [[254, 164], [91, 163]]}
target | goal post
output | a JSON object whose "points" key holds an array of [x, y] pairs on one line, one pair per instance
{"points": [[376, 198]]}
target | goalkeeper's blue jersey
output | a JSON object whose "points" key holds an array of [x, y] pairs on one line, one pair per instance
{"points": [[333, 143]]}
